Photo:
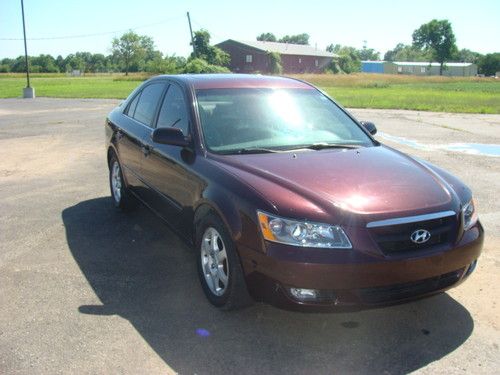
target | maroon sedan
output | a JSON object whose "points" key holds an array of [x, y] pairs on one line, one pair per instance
{"points": [[285, 196]]}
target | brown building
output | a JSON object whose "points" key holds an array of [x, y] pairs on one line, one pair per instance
{"points": [[249, 57]]}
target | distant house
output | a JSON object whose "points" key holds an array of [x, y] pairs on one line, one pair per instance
{"points": [[249, 57], [419, 68]]}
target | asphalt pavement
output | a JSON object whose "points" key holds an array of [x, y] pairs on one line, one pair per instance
{"points": [[87, 289]]}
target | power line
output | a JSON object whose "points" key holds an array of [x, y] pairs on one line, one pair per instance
{"points": [[98, 34], [202, 27]]}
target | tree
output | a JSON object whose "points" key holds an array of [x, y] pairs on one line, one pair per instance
{"points": [[349, 60], [201, 43], [45, 63], [60, 63], [275, 63], [466, 55], [6, 65], [404, 52], [489, 64], [203, 50], [18, 65], [267, 37], [131, 50], [83, 61], [97, 63], [74, 62], [201, 66], [368, 54], [438, 38], [165, 65], [218, 57], [349, 63], [390, 55], [295, 39]]}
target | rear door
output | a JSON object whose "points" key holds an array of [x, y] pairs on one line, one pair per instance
{"points": [[137, 121], [128, 135]]}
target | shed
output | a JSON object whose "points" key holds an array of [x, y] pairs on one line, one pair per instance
{"points": [[418, 68], [372, 66], [453, 69]]}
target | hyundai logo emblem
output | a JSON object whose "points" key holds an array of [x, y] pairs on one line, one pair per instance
{"points": [[420, 236]]}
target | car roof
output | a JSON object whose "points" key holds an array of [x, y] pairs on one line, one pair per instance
{"points": [[222, 81]]}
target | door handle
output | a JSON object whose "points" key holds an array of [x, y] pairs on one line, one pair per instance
{"points": [[146, 150]]}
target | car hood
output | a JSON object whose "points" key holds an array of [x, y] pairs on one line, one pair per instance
{"points": [[371, 180]]}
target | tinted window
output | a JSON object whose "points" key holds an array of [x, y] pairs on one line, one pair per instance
{"points": [[133, 104], [235, 119], [173, 111], [148, 102]]}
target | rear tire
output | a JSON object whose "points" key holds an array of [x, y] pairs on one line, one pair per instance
{"points": [[122, 198], [219, 266]]}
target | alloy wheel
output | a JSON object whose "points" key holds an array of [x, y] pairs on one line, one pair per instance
{"points": [[214, 261]]}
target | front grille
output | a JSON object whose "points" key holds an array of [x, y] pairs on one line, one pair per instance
{"points": [[395, 239], [409, 290]]}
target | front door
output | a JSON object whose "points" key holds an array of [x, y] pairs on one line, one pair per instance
{"points": [[166, 169]]}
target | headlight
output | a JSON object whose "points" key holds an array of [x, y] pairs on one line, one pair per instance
{"points": [[469, 215], [302, 233]]}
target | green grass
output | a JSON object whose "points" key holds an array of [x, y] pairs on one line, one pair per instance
{"points": [[422, 99], [69, 87], [442, 94]]}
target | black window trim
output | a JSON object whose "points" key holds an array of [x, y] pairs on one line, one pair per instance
{"points": [[160, 103], [152, 125], [127, 107], [186, 103]]}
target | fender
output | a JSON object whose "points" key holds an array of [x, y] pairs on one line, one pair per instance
{"points": [[215, 200]]}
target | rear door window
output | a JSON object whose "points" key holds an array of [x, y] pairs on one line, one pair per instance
{"points": [[148, 102], [133, 105]]}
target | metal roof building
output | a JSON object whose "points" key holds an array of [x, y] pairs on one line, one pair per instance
{"points": [[253, 56], [419, 68]]}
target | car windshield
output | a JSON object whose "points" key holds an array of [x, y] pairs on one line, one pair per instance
{"points": [[256, 120]]}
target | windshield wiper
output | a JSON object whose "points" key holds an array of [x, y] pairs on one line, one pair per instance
{"points": [[254, 150], [322, 146], [314, 146]]}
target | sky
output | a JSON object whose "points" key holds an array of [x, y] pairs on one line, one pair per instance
{"points": [[64, 27]]}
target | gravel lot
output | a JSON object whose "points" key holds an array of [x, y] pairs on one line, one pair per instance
{"points": [[85, 289]]}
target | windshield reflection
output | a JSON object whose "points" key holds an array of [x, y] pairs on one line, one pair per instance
{"points": [[273, 119]]}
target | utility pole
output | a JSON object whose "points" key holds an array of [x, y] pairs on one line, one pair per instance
{"points": [[28, 91], [191, 31]]}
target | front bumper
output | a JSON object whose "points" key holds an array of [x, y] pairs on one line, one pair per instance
{"points": [[350, 278]]}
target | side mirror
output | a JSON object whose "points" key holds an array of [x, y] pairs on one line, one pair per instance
{"points": [[170, 136], [370, 126]]}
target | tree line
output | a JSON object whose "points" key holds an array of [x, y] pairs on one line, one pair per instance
{"points": [[129, 53], [431, 42], [349, 60]]}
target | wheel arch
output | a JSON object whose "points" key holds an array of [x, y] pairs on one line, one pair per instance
{"points": [[224, 209], [111, 151]]}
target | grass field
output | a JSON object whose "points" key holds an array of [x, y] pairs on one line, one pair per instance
{"points": [[60, 86], [441, 94]]}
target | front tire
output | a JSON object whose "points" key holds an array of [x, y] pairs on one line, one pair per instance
{"points": [[119, 193], [219, 267]]}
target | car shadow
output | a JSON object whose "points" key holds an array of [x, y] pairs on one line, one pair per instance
{"points": [[144, 273]]}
